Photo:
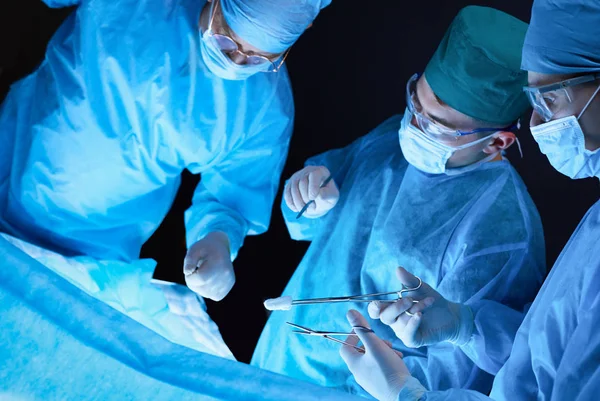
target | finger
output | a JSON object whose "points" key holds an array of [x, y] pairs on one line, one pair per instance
{"points": [[389, 344], [348, 352], [406, 278], [215, 287], [329, 193], [411, 328], [192, 261], [199, 279], [421, 305], [297, 196], [375, 309], [287, 196], [391, 314], [368, 338], [303, 187], [315, 180]]}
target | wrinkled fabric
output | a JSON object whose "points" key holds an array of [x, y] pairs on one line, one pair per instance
{"points": [[476, 69], [555, 352], [271, 25], [59, 343], [563, 37], [128, 104], [472, 236], [173, 311]]}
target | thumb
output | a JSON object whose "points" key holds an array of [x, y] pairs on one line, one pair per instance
{"points": [[407, 279], [191, 264], [329, 193]]}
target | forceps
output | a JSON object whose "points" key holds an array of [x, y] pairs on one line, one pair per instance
{"points": [[323, 185], [360, 298], [329, 334]]}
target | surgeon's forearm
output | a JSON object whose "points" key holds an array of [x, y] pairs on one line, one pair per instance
{"points": [[495, 328], [215, 219]]}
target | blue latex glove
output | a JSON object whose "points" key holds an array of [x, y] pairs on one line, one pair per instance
{"points": [[380, 369], [431, 320]]}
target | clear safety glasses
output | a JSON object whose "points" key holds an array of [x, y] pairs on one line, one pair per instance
{"points": [[229, 46], [547, 100], [434, 130]]}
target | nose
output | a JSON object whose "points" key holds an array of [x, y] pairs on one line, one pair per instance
{"points": [[535, 120], [237, 58], [414, 121]]}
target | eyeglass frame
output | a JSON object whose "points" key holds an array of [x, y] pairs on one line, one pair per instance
{"points": [[454, 133], [567, 83], [214, 35]]}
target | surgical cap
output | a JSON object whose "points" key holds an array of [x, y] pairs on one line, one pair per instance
{"points": [[477, 66], [564, 37], [271, 25]]}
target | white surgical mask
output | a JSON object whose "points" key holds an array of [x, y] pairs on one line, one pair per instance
{"points": [[429, 155], [563, 142], [222, 66]]}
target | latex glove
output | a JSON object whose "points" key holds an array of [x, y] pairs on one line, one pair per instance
{"points": [[207, 267], [434, 319], [380, 369], [305, 186]]}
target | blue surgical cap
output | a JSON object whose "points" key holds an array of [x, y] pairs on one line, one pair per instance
{"points": [[563, 37], [271, 25]]}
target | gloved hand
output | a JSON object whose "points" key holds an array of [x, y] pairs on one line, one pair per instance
{"points": [[434, 319], [305, 185], [207, 267], [380, 370]]}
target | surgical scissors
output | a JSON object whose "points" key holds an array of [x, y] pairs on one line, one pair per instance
{"points": [[329, 334], [360, 298]]}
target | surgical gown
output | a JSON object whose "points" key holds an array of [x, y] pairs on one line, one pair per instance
{"points": [[556, 352], [472, 236], [94, 141]]}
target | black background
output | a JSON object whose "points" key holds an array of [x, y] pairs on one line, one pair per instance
{"points": [[348, 72]]}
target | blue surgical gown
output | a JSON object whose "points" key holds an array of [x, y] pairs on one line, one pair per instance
{"points": [[555, 355], [95, 140], [472, 236]]}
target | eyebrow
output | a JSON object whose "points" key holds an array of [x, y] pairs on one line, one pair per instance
{"points": [[435, 118]]}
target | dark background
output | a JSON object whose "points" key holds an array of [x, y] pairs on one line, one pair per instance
{"points": [[349, 72]]}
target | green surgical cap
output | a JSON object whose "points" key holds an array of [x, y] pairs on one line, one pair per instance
{"points": [[477, 67]]}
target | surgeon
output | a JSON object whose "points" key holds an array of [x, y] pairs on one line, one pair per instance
{"points": [[554, 353], [131, 93], [429, 189]]}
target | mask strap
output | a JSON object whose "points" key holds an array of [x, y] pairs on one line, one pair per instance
{"points": [[519, 146], [475, 142], [589, 102]]}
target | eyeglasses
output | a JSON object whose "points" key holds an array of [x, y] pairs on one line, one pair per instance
{"points": [[435, 130], [547, 100], [229, 46]]}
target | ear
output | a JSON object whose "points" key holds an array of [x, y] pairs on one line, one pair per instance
{"points": [[502, 141]]}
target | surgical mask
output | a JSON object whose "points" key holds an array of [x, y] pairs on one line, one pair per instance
{"points": [[222, 66], [563, 142], [429, 155]]}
